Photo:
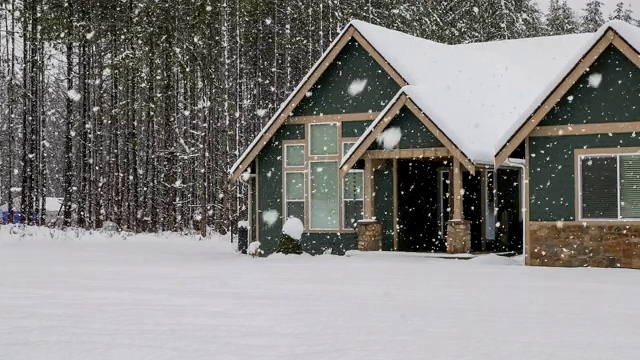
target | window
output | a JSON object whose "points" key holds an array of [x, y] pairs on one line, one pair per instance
{"points": [[346, 146], [323, 186], [353, 198], [610, 187], [294, 195], [294, 155], [323, 139], [489, 211]]}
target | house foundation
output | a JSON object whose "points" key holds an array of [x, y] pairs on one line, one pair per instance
{"points": [[369, 235], [458, 236], [583, 245]]}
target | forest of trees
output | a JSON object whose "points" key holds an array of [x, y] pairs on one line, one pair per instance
{"points": [[134, 111]]}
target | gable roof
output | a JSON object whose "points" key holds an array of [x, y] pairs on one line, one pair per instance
{"points": [[479, 94], [348, 33], [623, 36], [440, 129]]}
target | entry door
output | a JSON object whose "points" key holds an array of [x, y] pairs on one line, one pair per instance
{"points": [[444, 201]]}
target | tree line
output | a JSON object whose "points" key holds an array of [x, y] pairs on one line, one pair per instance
{"points": [[134, 111]]}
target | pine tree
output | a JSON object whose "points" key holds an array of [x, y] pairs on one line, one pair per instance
{"points": [[561, 19], [620, 13], [593, 19]]}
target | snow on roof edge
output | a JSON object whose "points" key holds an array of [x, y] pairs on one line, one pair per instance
{"points": [[373, 125], [617, 26], [285, 103]]}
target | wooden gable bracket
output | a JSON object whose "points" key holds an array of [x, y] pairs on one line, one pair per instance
{"points": [[310, 80], [610, 37], [404, 100]]}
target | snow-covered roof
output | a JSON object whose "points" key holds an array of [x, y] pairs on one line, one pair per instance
{"points": [[260, 137], [479, 94], [630, 33]]}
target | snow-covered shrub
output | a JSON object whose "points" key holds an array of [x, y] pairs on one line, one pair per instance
{"points": [[254, 249], [289, 243]]}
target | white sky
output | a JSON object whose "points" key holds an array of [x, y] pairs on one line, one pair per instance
{"points": [[609, 5]]}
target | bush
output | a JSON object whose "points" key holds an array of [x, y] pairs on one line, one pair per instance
{"points": [[288, 245]]}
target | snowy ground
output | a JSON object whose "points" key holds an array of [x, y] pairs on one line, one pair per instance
{"points": [[154, 297]]}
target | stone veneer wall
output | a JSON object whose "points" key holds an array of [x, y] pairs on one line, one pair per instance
{"points": [[369, 235], [458, 236], [576, 244]]}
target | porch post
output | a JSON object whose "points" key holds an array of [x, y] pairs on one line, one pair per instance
{"points": [[368, 189], [457, 191], [458, 229]]}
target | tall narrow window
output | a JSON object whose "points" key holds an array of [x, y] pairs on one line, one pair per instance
{"points": [[489, 211], [294, 195], [323, 139], [323, 184], [353, 198]]}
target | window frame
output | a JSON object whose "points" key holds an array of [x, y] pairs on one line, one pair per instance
{"points": [[338, 140], [345, 225], [286, 201], [617, 153], [339, 208], [286, 157]]}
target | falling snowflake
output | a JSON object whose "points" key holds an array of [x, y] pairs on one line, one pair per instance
{"points": [[357, 86], [390, 138], [74, 95], [270, 217], [90, 35], [594, 80], [261, 112]]}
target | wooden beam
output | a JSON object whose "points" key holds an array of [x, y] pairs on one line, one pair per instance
{"points": [[554, 97], [370, 138], [457, 191], [441, 136], [368, 116], [409, 153], [302, 90], [401, 101], [368, 189], [627, 50], [379, 59], [587, 129]]}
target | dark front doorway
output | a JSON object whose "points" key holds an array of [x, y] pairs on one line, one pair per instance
{"points": [[423, 205]]}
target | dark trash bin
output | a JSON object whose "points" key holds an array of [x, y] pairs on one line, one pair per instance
{"points": [[243, 237]]}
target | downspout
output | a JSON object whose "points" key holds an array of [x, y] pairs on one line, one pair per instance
{"points": [[520, 163]]}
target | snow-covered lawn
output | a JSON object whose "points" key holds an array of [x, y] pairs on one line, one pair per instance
{"points": [[173, 297]]}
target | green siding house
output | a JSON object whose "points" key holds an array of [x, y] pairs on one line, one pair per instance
{"points": [[397, 143]]}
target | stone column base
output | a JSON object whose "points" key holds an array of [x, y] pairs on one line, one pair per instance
{"points": [[458, 236], [369, 235]]}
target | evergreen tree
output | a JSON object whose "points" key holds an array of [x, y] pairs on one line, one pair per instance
{"points": [[593, 19], [561, 19], [620, 13]]}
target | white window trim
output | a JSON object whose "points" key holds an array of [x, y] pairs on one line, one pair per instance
{"points": [[338, 212], [597, 155], [304, 153], [338, 137]]}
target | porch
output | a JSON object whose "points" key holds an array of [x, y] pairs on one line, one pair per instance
{"points": [[425, 200]]}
